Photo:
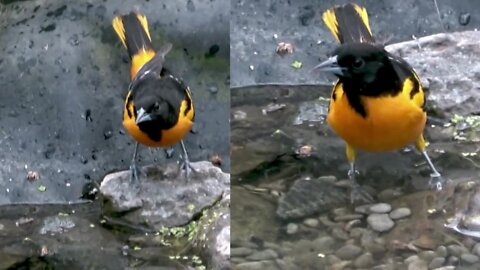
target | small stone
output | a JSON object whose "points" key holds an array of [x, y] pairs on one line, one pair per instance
{"points": [[311, 222], [400, 213], [340, 265], [453, 260], [364, 261], [427, 255], [469, 258], [450, 267], [380, 208], [348, 252], [418, 265], [266, 254], [347, 217], [441, 251], [436, 262], [240, 252], [456, 250], [363, 209], [476, 249], [425, 242], [340, 233], [292, 228], [464, 18], [340, 211], [324, 243], [380, 222], [411, 259], [388, 194], [332, 259]]}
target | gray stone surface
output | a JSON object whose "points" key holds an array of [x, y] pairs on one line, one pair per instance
{"points": [[165, 197]]}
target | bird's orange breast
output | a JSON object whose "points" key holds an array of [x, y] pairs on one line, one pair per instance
{"points": [[392, 122], [168, 137]]}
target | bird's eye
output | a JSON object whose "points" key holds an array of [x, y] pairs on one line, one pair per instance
{"points": [[156, 107], [358, 63]]}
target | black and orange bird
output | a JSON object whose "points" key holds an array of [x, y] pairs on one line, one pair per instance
{"points": [[378, 103], [158, 108]]}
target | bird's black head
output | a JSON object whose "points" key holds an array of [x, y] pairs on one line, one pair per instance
{"points": [[151, 107], [363, 64]]}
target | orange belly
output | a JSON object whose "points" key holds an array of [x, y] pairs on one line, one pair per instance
{"points": [[169, 137], [391, 122]]}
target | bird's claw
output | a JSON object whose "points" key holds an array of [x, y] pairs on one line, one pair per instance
{"points": [[437, 181], [134, 176], [187, 168]]}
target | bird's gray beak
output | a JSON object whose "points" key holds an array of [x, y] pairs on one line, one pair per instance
{"points": [[142, 116], [330, 65]]}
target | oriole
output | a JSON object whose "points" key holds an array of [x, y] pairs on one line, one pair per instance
{"points": [[378, 102], [158, 108]]}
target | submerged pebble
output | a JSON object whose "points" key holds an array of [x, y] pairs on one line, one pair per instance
{"points": [[400, 213], [380, 208], [348, 252], [380, 222]]}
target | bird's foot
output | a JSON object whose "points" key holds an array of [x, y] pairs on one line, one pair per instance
{"points": [[134, 176], [436, 181], [186, 167]]}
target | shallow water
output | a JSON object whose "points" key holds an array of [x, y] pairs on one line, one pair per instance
{"points": [[279, 139]]}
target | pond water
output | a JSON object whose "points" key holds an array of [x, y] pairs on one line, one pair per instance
{"points": [[290, 199]]}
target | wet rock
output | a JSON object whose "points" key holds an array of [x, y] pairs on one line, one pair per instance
{"points": [[400, 213], [436, 262], [469, 258], [348, 252], [446, 56], [212, 238], [364, 261], [292, 228], [266, 254], [380, 208], [380, 222], [307, 197], [157, 202], [241, 252]]}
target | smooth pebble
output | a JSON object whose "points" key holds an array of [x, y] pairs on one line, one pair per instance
{"points": [[380, 222], [400, 213], [380, 208]]}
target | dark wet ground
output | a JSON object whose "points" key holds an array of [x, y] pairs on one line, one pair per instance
{"points": [[258, 26], [273, 130], [64, 76]]}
